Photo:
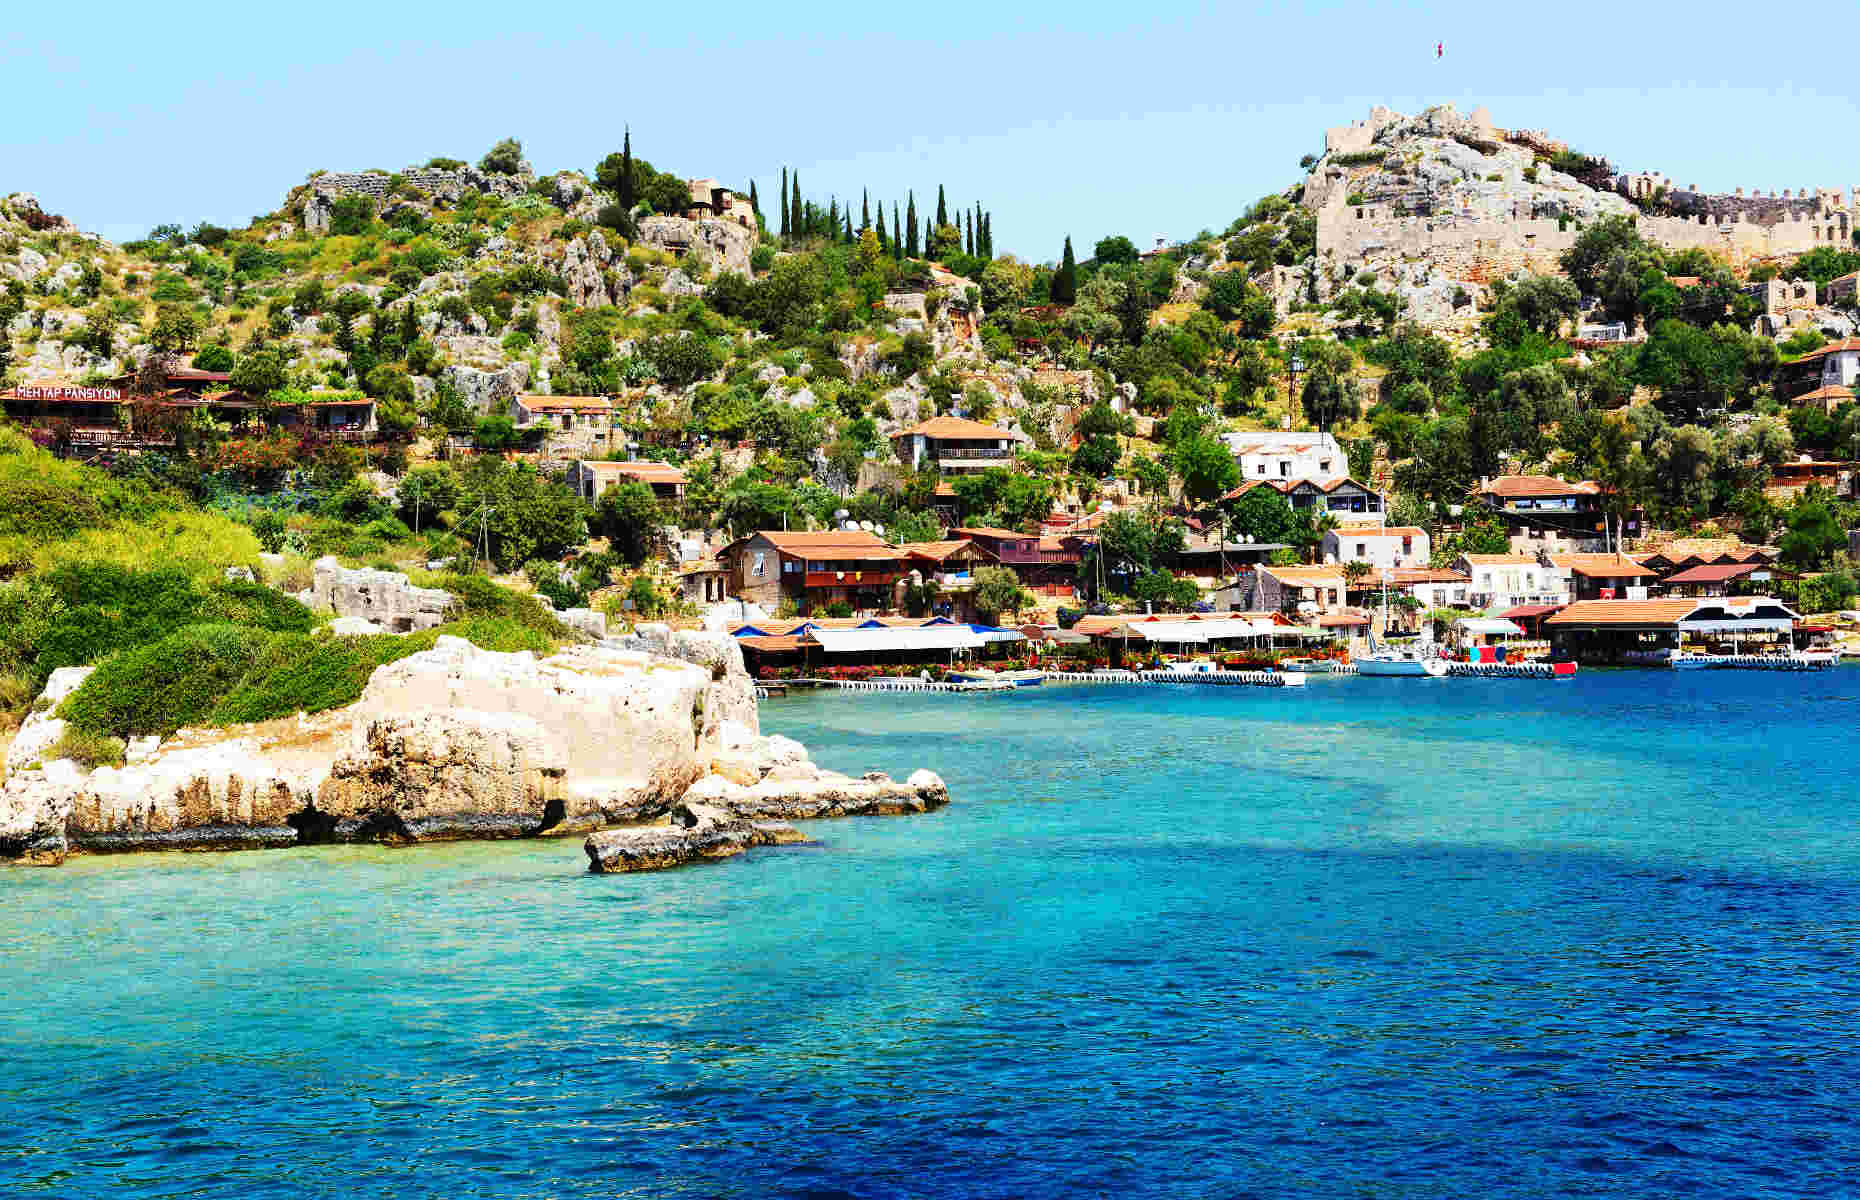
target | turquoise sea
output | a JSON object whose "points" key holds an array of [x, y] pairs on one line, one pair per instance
{"points": [[1381, 938]]}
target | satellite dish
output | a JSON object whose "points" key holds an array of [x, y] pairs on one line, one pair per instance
{"points": [[850, 527], [879, 530], [866, 525], [840, 514]]}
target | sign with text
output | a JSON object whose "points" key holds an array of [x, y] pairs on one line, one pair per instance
{"points": [[69, 393]]}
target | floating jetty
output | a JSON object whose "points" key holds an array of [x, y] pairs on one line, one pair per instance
{"points": [[1754, 662], [1225, 678], [1522, 670]]}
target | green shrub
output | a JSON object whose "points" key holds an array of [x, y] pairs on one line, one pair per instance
{"points": [[164, 685], [237, 602], [296, 673], [88, 749]]}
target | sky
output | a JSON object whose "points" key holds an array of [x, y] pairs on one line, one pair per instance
{"points": [[1077, 119]]}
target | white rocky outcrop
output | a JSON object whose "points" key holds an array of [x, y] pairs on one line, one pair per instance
{"points": [[727, 243], [385, 599], [453, 742]]}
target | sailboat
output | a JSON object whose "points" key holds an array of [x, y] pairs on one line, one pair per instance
{"points": [[1386, 660]]}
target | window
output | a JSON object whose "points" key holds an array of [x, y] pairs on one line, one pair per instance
{"points": [[1407, 545], [1262, 468], [759, 564], [1285, 469], [1324, 464], [1362, 551]]}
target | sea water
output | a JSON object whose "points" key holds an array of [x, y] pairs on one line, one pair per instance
{"points": [[1374, 937]]}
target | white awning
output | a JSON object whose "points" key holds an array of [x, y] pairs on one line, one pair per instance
{"points": [[925, 637], [999, 635], [1748, 625], [1200, 631], [1489, 627]]}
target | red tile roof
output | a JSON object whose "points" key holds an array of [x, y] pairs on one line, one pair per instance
{"points": [[957, 427], [1602, 566], [1523, 486], [990, 531], [1849, 345], [1713, 572], [566, 403], [830, 544], [645, 472]]}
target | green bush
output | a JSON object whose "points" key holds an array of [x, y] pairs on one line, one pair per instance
{"points": [[88, 749], [237, 602], [164, 685], [297, 673]]}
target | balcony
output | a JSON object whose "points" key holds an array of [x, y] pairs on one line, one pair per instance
{"points": [[944, 452], [851, 579]]}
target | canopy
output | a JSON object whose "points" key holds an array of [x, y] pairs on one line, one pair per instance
{"points": [[918, 637], [1488, 627], [988, 633], [1201, 631]]}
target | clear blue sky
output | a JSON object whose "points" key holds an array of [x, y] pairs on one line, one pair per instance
{"points": [[1080, 118]]}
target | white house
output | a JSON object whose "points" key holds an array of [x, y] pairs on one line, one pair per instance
{"points": [[1378, 545], [1840, 362], [1280, 454], [1504, 581]]}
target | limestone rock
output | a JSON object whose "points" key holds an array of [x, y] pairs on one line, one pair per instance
{"points": [[692, 832], [221, 795], [35, 807], [42, 728], [354, 627], [385, 598], [488, 392], [435, 774], [727, 243]]}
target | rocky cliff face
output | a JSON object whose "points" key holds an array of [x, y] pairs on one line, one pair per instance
{"points": [[454, 742]]}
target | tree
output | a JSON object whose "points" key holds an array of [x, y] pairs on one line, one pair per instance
{"points": [[1151, 475], [998, 593], [259, 373], [784, 204], [942, 208], [505, 158], [176, 329], [1814, 532], [1541, 303], [1483, 532], [910, 225], [1262, 514], [1165, 591], [1584, 261], [1113, 251], [1329, 398], [1139, 540], [626, 516], [497, 432], [1065, 288], [423, 493]]}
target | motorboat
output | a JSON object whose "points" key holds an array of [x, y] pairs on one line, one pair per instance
{"points": [[1021, 678]]}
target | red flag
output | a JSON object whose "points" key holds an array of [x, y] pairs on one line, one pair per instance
{"points": [[1440, 49]]}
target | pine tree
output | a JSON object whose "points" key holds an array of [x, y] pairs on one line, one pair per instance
{"points": [[897, 237], [628, 193], [794, 181], [942, 209], [785, 229], [910, 226], [1066, 281]]}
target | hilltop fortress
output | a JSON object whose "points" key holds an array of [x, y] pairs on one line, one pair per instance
{"points": [[1477, 202]]}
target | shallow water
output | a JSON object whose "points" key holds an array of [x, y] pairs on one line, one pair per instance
{"points": [[1381, 937]]}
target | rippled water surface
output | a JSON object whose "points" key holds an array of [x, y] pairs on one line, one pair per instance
{"points": [[1383, 938]]}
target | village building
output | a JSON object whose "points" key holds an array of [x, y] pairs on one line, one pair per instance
{"points": [[956, 446], [948, 566], [1716, 579], [1601, 576], [1381, 546], [566, 413], [1827, 397], [814, 570], [1431, 587], [705, 581], [1301, 589], [1277, 454], [589, 478], [1612, 630], [1837, 363], [711, 199], [1545, 514], [1790, 479], [1341, 495], [1677, 555], [1504, 581], [1210, 560]]}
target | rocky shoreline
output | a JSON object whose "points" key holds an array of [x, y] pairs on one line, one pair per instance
{"points": [[657, 731]]}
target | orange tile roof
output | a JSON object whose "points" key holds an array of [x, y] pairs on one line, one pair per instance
{"points": [[1602, 566], [939, 551], [958, 427], [1833, 391], [1401, 576], [645, 472], [989, 531], [1306, 576], [1500, 560], [1845, 345], [566, 403], [1624, 612], [1520, 486], [1373, 530], [830, 544]]}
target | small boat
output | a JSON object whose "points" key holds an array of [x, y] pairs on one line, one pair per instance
{"points": [[1394, 662], [1023, 678], [1386, 660]]}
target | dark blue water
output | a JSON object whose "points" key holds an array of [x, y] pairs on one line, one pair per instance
{"points": [[1386, 938]]}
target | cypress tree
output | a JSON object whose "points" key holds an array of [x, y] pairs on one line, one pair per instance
{"points": [[865, 210], [628, 193], [910, 226], [833, 219], [968, 235], [884, 243], [1066, 281], [988, 235], [784, 204], [897, 238], [942, 209], [850, 236], [794, 182], [755, 203]]}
